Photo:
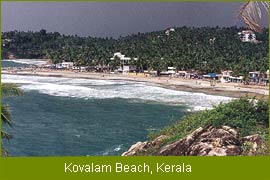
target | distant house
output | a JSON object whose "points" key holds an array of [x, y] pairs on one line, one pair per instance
{"points": [[75, 68], [171, 70], [212, 40], [227, 76], [238, 79], [58, 66], [167, 32], [248, 36], [266, 77], [182, 74], [210, 76], [258, 77], [189, 74], [254, 76], [124, 62], [11, 56], [67, 65], [83, 69]]}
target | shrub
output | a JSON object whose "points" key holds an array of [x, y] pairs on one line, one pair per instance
{"points": [[249, 116]]}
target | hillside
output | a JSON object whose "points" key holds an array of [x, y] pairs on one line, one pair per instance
{"points": [[236, 128], [185, 48]]}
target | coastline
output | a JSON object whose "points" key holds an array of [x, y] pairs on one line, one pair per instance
{"points": [[190, 85]]}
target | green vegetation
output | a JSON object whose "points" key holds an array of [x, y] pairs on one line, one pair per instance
{"points": [[7, 90], [247, 116], [185, 48]]}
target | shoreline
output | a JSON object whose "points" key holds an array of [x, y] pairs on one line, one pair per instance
{"points": [[190, 85]]}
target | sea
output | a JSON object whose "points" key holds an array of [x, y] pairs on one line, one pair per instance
{"points": [[85, 117]]}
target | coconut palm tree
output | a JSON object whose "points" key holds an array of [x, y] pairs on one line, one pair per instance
{"points": [[7, 90], [251, 13]]}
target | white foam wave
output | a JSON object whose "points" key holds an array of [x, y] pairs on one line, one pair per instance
{"points": [[27, 61], [113, 149], [104, 89]]}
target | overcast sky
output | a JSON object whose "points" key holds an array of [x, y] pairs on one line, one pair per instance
{"points": [[115, 19]]}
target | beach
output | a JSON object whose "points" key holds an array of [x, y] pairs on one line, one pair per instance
{"points": [[92, 114], [191, 85], [102, 114]]}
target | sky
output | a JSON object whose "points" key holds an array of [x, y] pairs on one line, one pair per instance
{"points": [[103, 19]]}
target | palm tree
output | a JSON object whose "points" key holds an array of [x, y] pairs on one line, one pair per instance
{"points": [[251, 13], [7, 90]]}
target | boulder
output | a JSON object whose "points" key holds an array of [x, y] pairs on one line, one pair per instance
{"points": [[158, 140], [135, 148], [208, 141], [180, 147]]}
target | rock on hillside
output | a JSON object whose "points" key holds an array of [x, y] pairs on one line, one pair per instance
{"points": [[208, 141]]}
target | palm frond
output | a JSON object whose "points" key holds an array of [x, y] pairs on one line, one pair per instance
{"points": [[251, 13], [6, 115], [4, 152], [9, 89], [6, 135]]}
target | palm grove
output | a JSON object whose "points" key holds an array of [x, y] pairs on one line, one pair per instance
{"points": [[185, 48]]}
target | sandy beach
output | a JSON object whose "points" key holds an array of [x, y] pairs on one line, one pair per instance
{"points": [[191, 85]]}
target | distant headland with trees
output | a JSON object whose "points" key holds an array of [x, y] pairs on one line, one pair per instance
{"points": [[205, 49]]}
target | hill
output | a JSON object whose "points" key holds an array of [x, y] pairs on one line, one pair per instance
{"points": [[206, 49], [239, 127]]}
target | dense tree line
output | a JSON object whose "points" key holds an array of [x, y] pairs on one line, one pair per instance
{"points": [[206, 49]]}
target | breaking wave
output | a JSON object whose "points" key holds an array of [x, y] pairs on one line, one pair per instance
{"points": [[105, 89], [27, 61]]}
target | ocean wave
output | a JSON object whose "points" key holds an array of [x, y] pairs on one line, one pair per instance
{"points": [[106, 89], [112, 150], [27, 61]]}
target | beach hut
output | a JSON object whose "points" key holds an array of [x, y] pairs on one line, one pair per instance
{"points": [[254, 76], [225, 76], [182, 74], [171, 70], [238, 79], [210, 76], [83, 69], [67, 65], [247, 36], [58, 66], [265, 78]]}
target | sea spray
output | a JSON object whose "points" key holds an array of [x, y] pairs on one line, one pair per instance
{"points": [[109, 89]]}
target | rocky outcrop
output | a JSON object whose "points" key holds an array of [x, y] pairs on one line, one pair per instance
{"points": [[136, 148], [253, 145], [208, 141]]}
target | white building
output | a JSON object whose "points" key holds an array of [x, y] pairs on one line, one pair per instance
{"points": [[167, 32], [254, 74], [258, 77], [124, 62], [67, 65], [58, 66], [247, 36], [227, 76], [171, 70]]}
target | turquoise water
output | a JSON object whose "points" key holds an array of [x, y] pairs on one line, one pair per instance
{"points": [[80, 117], [48, 126]]}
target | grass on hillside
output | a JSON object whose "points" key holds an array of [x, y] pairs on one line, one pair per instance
{"points": [[248, 116]]}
